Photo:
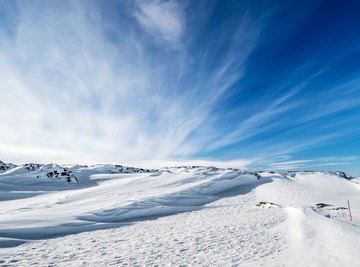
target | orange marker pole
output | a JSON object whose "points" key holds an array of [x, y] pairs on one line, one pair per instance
{"points": [[349, 211]]}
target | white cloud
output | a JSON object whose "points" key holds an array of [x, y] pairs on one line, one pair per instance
{"points": [[331, 164], [273, 163], [69, 94], [289, 162], [288, 165], [59, 90], [238, 164], [161, 19]]}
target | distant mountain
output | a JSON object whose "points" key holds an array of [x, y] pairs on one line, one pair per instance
{"points": [[72, 173], [68, 173]]}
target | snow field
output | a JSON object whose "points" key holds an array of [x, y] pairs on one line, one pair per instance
{"points": [[114, 199], [230, 231], [178, 217]]}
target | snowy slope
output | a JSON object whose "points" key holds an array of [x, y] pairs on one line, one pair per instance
{"points": [[117, 197], [317, 235], [214, 216]]}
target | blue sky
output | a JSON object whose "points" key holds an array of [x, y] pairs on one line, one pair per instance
{"points": [[249, 84]]}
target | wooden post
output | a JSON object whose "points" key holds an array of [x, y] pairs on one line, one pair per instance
{"points": [[349, 210]]}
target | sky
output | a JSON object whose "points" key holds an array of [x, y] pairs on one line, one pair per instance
{"points": [[249, 84]]}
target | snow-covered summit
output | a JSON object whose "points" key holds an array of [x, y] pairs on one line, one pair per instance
{"points": [[67, 173], [54, 170], [336, 173], [6, 166]]}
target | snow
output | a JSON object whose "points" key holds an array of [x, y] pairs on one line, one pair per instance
{"points": [[116, 215]]}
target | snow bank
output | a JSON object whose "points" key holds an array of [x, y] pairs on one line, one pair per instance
{"points": [[35, 204]]}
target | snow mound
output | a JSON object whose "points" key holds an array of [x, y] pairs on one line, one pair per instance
{"points": [[331, 211], [292, 174], [185, 195], [6, 166], [267, 205]]}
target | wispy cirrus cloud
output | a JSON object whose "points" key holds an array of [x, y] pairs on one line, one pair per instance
{"points": [[314, 163], [71, 94], [163, 20]]}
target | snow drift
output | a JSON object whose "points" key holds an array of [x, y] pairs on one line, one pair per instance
{"points": [[40, 201]]}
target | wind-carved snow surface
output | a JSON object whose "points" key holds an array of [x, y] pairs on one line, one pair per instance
{"points": [[176, 216], [48, 210]]}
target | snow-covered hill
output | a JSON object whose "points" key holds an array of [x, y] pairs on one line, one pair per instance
{"points": [[172, 216]]}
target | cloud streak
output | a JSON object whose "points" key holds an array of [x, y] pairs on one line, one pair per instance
{"points": [[71, 94], [161, 19]]}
